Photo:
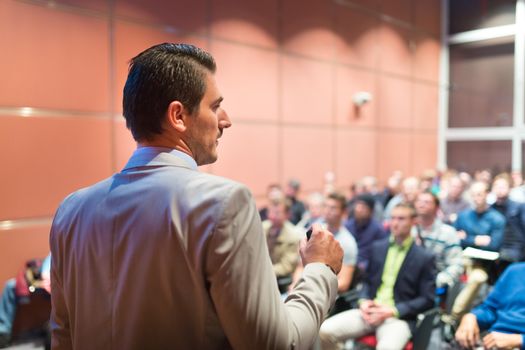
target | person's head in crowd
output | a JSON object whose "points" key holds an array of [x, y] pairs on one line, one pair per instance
{"points": [[501, 187], [427, 206], [274, 191], [171, 99], [483, 175], [393, 184], [401, 222], [314, 204], [455, 188], [364, 208], [517, 178], [369, 184], [279, 211], [478, 192], [334, 210], [426, 180], [410, 188], [466, 178], [292, 188]]}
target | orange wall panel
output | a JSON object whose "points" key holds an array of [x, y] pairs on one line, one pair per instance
{"points": [[358, 35], [311, 34], [250, 22], [395, 54], [188, 15], [307, 91], [356, 155], [394, 153], [394, 102], [248, 79], [249, 153], [53, 59], [307, 154], [48, 158]]}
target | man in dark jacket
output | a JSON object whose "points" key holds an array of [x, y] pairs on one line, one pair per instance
{"points": [[399, 284]]}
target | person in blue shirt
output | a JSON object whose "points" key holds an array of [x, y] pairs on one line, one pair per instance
{"points": [[481, 227], [365, 229], [502, 314]]}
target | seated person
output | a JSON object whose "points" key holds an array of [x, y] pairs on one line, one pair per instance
{"points": [[314, 210], [282, 238], [454, 201], [333, 213], [502, 314], [482, 228], [10, 299], [439, 238], [365, 229], [399, 284], [513, 244]]}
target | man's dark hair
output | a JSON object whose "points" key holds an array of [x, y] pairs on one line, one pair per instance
{"points": [[339, 198], [434, 197], [409, 206], [158, 76]]}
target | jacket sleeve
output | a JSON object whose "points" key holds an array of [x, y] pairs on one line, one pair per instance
{"points": [[496, 236], [243, 287], [426, 291]]}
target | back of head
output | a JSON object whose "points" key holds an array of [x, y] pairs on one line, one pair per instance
{"points": [[159, 75]]}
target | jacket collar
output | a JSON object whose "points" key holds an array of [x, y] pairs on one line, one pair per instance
{"points": [[159, 156]]}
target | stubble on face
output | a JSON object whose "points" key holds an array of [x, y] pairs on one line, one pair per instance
{"points": [[204, 132]]}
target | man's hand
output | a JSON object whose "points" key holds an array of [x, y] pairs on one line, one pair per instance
{"points": [[482, 240], [467, 334], [379, 313], [365, 307], [502, 341], [461, 234], [374, 314], [322, 247]]}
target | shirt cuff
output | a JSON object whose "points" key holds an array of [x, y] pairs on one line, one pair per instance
{"points": [[396, 312]]}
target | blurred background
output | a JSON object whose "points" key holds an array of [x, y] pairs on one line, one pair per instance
{"points": [[318, 90]]}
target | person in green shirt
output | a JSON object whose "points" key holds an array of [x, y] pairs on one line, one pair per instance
{"points": [[399, 284]]}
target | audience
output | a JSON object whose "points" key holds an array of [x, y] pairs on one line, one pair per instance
{"points": [[454, 202], [334, 211], [273, 191], [513, 245], [482, 228], [297, 208], [501, 315], [314, 210], [399, 284], [333, 215], [409, 192], [365, 229], [439, 238], [282, 238]]}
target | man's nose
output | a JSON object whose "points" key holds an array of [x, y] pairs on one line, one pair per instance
{"points": [[224, 119]]}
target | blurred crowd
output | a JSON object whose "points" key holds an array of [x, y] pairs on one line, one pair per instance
{"points": [[409, 246]]}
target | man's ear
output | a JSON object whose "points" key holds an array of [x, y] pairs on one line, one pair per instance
{"points": [[176, 116]]}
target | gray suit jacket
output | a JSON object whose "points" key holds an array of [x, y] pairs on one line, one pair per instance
{"points": [[162, 256]]}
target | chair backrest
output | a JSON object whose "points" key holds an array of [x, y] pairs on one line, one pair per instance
{"points": [[424, 329], [452, 293]]}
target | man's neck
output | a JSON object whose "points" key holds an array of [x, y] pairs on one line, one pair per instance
{"points": [[427, 221], [334, 228], [482, 209], [401, 238]]}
